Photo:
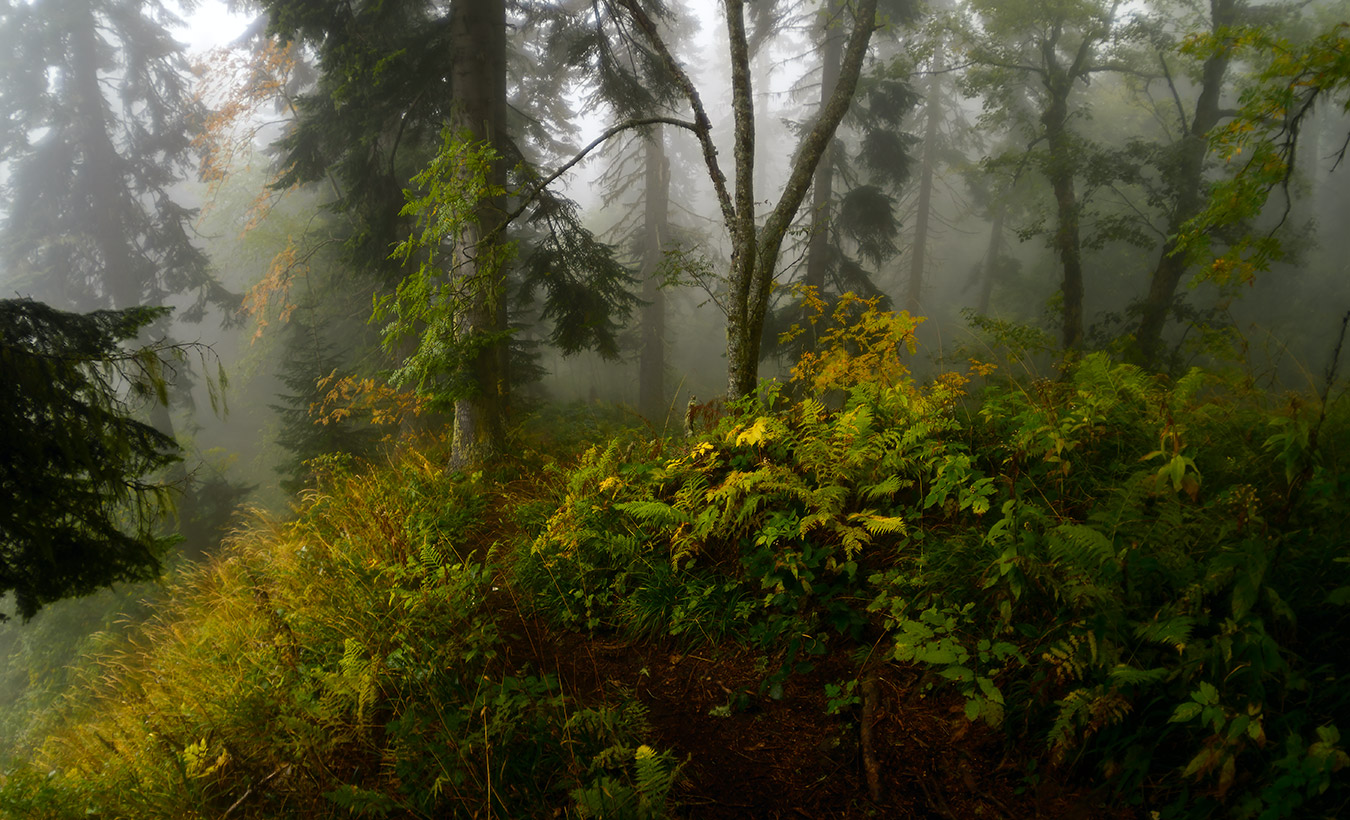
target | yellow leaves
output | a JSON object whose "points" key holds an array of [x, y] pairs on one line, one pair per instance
{"points": [[980, 368], [197, 761], [346, 396], [764, 429], [861, 344], [695, 453], [757, 433]]}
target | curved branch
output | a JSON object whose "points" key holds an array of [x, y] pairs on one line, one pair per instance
{"points": [[702, 125], [567, 166]]}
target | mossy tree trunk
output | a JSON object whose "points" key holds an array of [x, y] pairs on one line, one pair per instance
{"points": [[478, 83]]}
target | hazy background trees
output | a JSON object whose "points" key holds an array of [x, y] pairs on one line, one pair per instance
{"points": [[1082, 160]]}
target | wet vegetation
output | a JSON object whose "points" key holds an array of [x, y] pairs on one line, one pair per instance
{"points": [[1109, 582], [1064, 537]]}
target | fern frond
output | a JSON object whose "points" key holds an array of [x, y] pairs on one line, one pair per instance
{"points": [[888, 487], [654, 512], [1174, 631], [1080, 547]]}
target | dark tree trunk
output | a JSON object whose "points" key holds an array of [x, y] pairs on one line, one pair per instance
{"points": [[992, 258], [656, 218], [918, 253], [1061, 172], [1189, 187], [128, 281], [98, 170], [822, 187], [478, 82]]}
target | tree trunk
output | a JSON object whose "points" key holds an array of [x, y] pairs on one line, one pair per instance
{"points": [[652, 361], [754, 255], [992, 257], [1189, 186], [754, 251], [478, 83], [822, 187], [97, 173], [128, 280], [1060, 170], [919, 251]]}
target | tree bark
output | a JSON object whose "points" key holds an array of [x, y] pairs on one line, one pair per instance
{"points": [[754, 258], [478, 83], [992, 257], [656, 218], [754, 254], [918, 253], [1060, 169], [1189, 186], [128, 279], [822, 187], [98, 170]]}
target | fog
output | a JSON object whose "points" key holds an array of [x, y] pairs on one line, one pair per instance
{"points": [[295, 234]]}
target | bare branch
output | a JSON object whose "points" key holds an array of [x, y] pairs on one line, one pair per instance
{"points": [[702, 125], [567, 166], [1171, 86]]}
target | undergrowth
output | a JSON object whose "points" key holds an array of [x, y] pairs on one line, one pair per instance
{"points": [[1139, 581], [343, 664], [1146, 577]]}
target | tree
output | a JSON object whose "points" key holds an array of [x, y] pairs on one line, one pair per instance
{"points": [[100, 123], [80, 507], [1260, 142], [100, 127], [755, 248], [392, 77], [928, 161], [478, 81], [853, 222], [1184, 173], [655, 233], [1047, 50]]}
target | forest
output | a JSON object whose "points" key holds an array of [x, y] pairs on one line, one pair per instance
{"points": [[628, 409]]}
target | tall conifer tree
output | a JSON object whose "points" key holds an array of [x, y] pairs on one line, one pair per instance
{"points": [[100, 123]]}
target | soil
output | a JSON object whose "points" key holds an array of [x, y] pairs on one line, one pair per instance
{"points": [[748, 752]]}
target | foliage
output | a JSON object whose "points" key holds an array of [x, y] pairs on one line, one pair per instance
{"points": [[362, 635], [323, 412], [1260, 144], [82, 506], [92, 158], [1146, 574], [1137, 579], [428, 305], [778, 502]]}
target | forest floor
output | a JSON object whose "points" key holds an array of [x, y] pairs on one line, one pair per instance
{"points": [[746, 754]]}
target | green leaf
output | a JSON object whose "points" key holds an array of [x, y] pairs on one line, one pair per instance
{"points": [[1185, 712], [972, 710]]}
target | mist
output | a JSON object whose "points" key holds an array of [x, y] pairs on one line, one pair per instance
{"points": [[347, 212]]}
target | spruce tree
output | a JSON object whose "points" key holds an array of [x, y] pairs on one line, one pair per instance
{"points": [[100, 124], [392, 77], [80, 506]]}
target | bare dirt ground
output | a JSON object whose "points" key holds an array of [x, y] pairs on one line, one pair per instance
{"points": [[749, 754]]}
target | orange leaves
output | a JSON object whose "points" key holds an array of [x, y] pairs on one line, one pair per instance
{"points": [[269, 299], [235, 86]]}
